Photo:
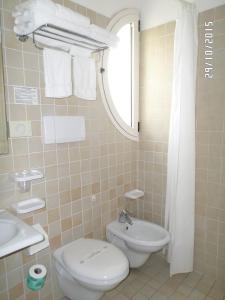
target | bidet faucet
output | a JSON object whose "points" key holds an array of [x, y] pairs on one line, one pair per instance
{"points": [[125, 217]]}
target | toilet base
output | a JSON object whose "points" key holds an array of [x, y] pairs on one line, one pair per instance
{"points": [[73, 290]]}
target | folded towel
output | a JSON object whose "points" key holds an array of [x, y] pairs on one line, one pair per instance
{"points": [[48, 7], [84, 74], [103, 35], [39, 18], [32, 14], [57, 73], [23, 17], [71, 16]]}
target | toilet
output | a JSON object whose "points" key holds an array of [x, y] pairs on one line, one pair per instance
{"points": [[86, 268]]}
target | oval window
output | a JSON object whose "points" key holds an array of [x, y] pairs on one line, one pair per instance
{"points": [[119, 77]]}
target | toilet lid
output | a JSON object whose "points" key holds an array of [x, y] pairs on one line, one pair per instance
{"points": [[94, 260]]}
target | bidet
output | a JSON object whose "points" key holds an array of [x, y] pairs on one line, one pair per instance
{"points": [[138, 240]]}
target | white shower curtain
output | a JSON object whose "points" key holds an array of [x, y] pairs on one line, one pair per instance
{"points": [[180, 193]]}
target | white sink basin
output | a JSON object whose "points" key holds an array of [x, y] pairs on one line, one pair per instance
{"points": [[15, 234], [8, 231]]}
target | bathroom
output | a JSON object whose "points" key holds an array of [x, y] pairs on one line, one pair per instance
{"points": [[84, 182]]}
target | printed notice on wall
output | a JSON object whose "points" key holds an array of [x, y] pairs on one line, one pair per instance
{"points": [[26, 95]]}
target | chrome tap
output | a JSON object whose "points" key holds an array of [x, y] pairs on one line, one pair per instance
{"points": [[125, 217]]}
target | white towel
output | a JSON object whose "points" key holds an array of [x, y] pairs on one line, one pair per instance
{"points": [[51, 43], [47, 6], [32, 14], [25, 25], [57, 73], [33, 7], [103, 35], [68, 14], [84, 74]]}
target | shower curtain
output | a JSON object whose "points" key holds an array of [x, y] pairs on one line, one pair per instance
{"points": [[180, 192]]}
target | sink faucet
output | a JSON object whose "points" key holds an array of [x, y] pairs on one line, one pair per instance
{"points": [[125, 217]]}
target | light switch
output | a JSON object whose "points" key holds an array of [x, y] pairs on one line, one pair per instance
{"points": [[20, 128]]}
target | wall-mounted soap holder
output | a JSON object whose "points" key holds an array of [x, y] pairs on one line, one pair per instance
{"points": [[134, 194], [24, 178], [29, 205]]}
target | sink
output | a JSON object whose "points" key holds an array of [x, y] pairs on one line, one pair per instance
{"points": [[15, 234], [8, 231]]}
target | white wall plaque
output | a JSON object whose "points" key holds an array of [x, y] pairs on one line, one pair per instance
{"points": [[26, 95]]}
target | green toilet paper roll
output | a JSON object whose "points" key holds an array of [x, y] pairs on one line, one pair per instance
{"points": [[36, 277]]}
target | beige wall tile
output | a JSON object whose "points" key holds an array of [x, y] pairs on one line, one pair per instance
{"points": [[66, 224], [220, 12], [209, 136], [105, 164]]}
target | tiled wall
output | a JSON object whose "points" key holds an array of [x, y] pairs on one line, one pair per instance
{"points": [[156, 78], [155, 96], [210, 138], [104, 165]]}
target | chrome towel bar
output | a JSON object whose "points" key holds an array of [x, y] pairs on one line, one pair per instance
{"points": [[65, 36]]}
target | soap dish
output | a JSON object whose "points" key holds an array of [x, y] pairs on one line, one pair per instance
{"points": [[134, 194], [29, 205], [27, 175], [24, 178]]}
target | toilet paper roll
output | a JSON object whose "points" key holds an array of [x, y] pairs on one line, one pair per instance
{"points": [[36, 277]]}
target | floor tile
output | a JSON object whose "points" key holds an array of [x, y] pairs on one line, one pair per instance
{"points": [[147, 290], [153, 282], [184, 290], [196, 295], [158, 296], [140, 296], [177, 296], [120, 297]]}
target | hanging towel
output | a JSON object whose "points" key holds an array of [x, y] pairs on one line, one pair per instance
{"points": [[84, 74], [51, 43], [57, 73]]}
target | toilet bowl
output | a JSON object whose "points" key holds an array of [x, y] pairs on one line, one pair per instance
{"points": [[86, 268], [137, 240]]}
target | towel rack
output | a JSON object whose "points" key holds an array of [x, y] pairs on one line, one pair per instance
{"points": [[57, 33]]}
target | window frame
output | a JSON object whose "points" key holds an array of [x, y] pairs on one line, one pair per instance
{"points": [[118, 21]]}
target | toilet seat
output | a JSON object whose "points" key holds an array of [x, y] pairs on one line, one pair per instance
{"points": [[93, 261]]}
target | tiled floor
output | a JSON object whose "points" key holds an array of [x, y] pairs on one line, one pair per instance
{"points": [[152, 281]]}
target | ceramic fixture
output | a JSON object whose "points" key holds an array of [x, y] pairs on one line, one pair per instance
{"points": [[15, 234], [138, 240], [24, 178], [134, 194], [86, 268], [29, 205]]}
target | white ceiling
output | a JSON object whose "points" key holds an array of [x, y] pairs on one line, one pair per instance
{"points": [[153, 12]]}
